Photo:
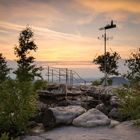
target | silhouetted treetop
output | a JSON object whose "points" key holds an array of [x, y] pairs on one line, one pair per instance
{"points": [[27, 70]]}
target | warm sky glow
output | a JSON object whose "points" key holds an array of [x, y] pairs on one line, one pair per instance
{"points": [[68, 29]]}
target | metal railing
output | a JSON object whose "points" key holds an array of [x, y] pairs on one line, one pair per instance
{"points": [[63, 75]]}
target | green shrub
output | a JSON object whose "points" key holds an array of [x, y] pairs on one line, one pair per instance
{"points": [[17, 105], [100, 81], [96, 83], [40, 84], [130, 102], [4, 136]]}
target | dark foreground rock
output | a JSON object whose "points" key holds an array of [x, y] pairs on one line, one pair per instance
{"points": [[48, 119], [61, 115], [116, 114], [65, 115]]}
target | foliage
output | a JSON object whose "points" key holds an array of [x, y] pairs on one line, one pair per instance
{"points": [[40, 84], [109, 80], [4, 70], [5, 136], [17, 105], [100, 81], [96, 83], [111, 63], [133, 64], [130, 102], [26, 68]]}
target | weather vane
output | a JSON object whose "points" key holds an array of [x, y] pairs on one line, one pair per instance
{"points": [[108, 26]]}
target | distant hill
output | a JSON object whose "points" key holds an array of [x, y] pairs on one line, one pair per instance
{"points": [[117, 81]]}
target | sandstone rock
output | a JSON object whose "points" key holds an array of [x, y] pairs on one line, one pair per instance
{"points": [[38, 117], [92, 118], [115, 114], [74, 102], [90, 104], [114, 101], [113, 123], [32, 138], [65, 115], [48, 119], [63, 103], [41, 106], [37, 129], [101, 107], [102, 93], [32, 124]]}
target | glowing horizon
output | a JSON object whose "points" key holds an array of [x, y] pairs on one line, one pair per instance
{"points": [[68, 30]]}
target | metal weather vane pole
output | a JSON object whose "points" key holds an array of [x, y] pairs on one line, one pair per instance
{"points": [[109, 26]]}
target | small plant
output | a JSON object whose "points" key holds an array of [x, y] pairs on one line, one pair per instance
{"points": [[130, 103], [40, 84], [96, 83], [4, 136], [100, 82]]}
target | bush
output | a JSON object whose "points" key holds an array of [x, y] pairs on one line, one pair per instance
{"points": [[17, 105], [100, 82], [96, 83], [4, 136], [130, 102], [40, 84]]}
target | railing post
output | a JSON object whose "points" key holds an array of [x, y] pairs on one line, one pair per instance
{"points": [[59, 76], [48, 73], [85, 82], [66, 76], [66, 83], [71, 77], [52, 75]]}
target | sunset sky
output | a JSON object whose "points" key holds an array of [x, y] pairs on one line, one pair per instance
{"points": [[68, 30]]}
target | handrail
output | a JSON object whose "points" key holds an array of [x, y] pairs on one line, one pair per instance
{"points": [[79, 76], [63, 75]]}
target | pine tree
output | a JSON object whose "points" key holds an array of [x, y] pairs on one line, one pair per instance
{"points": [[4, 70], [27, 70]]}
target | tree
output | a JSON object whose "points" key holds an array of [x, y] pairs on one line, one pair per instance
{"points": [[111, 63], [27, 70], [4, 70], [133, 64]]}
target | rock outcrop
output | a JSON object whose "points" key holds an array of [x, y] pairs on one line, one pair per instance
{"points": [[65, 115], [115, 114], [92, 118]]}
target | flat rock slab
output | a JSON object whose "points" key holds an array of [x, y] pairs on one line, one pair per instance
{"points": [[92, 118], [122, 131], [65, 115]]}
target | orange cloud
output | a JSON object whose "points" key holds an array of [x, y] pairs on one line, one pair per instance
{"points": [[29, 12], [116, 9], [110, 5], [52, 45]]}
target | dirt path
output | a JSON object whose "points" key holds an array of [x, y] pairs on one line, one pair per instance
{"points": [[121, 132]]}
